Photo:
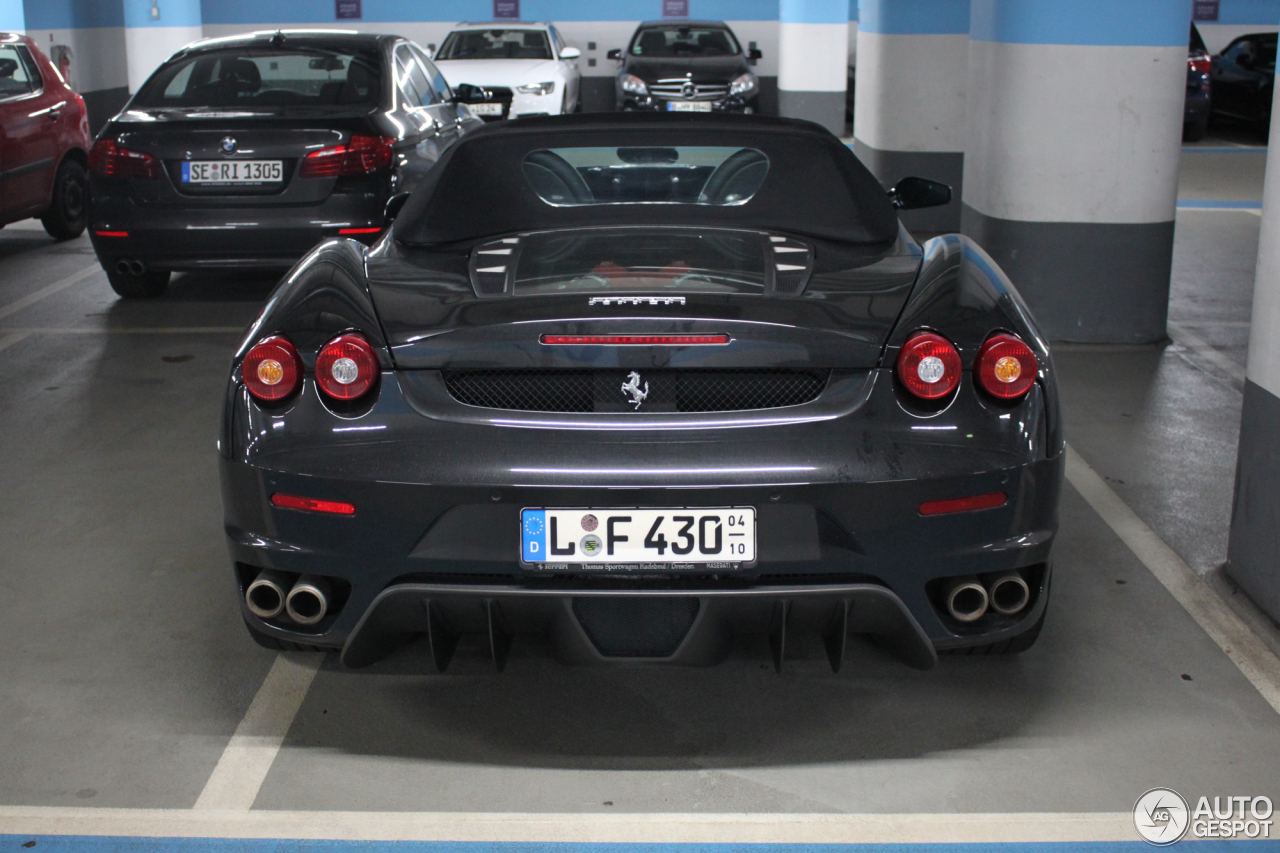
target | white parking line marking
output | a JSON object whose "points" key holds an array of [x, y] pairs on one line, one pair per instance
{"points": [[252, 749], [48, 290], [762, 828], [1205, 350], [1232, 635], [12, 338]]}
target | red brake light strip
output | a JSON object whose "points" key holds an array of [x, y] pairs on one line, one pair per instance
{"points": [[359, 230], [635, 340], [312, 505], [987, 501]]}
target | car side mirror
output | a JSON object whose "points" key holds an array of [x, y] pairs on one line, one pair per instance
{"points": [[392, 210], [913, 193], [753, 53], [570, 53], [431, 51], [466, 93], [616, 53]]}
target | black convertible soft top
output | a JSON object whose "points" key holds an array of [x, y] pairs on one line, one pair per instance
{"points": [[815, 186]]}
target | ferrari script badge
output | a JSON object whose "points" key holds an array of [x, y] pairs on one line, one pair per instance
{"points": [[632, 388]]}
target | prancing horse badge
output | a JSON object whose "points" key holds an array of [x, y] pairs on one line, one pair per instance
{"points": [[632, 388]]}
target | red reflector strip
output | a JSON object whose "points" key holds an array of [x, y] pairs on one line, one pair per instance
{"points": [[635, 340], [112, 233], [312, 505], [359, 230], [964, 504]]}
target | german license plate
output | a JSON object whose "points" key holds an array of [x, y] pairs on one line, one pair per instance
{"points": [[689, 106], [631, 539], [232, 171], [486, 109]]}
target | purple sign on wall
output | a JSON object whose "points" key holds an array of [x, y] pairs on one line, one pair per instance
{"points": [[506, 9], [675, 8], [347, 9], [1205, 10]]}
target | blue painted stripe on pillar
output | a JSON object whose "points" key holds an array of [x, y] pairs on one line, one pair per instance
{"points": [[914, 17], [1132, 23], [1247, 12], [12, 18], [322, 11], [75, 14], [173, 13], [853, 10], [812, 12]]}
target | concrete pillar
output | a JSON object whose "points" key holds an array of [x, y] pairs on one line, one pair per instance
{"points": [[1073, 134], [154, 31], [1253, 551], [909, 113], [813, 46], [12, 19], [853, 33]]}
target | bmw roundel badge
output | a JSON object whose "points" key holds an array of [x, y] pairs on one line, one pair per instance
{"points": [[228, 145]]}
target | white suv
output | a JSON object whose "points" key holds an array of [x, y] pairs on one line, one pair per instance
{"points": [[524, 69]]}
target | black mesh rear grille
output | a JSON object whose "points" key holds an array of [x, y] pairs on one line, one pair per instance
{"points": [[635, 627], [726, 390]]}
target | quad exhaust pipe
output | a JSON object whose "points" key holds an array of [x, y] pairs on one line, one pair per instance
{"points": [[967, 599], [1009, 593], [125, 267], [266, 595], [308, 601]]}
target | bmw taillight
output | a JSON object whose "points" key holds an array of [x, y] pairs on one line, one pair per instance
{"points": [[362, 155], [272, 369], [115, 161], [346, 367], [1200, 63], [929, 366], [1006, 367]]}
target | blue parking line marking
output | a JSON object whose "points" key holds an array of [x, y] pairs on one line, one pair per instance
{"points": [[1242, 205]]}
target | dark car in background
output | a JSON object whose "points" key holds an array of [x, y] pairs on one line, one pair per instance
{"points": [[686, 66], [246, 152], [1199, 101], [44, 142], [1243, 77]]}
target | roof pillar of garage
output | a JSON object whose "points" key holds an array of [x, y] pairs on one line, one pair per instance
{"points": [[909, 105], [813, 47], [1253, 550], [1073, 135]]}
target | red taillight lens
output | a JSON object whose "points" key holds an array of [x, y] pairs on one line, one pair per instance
{"points": [[346, 368], [272, 369], [363, 155], [114, 161], [635, 340], [312, 505], [929, 366], [1006, 367], [1200, 64], [987, 501]]}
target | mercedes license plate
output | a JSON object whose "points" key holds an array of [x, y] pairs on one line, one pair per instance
{"points": [[232, 171], [486, 109], [632, 539], [689, 106]]}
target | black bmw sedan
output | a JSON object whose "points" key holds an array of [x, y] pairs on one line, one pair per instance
{"points": [[245, 152], [689, 66]]}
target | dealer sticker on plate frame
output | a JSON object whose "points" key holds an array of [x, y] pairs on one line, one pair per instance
{"points": [[639, 539]]}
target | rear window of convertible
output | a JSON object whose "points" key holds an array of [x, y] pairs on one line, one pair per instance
{"points": [[251, 77], [706, 175]]}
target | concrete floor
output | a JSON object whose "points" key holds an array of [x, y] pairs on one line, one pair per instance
{"points": [[127, 668]]}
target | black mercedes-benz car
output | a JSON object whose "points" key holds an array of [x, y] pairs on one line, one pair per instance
{"points": [[1243, 80], [642, 383], [247, 151], [686, 66]]}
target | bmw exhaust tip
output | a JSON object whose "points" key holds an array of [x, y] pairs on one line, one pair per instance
{"points": [[122, 267], [967, 599], [265, 596], [1009, 593], [308, 601], [137, 267]]}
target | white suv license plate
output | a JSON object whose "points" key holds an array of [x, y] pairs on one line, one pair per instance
{"points": [[689, 106], [486, 109], [232, 171], [631, 539]]}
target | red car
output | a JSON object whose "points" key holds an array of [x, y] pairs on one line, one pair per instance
{"points": [[44, 142]]}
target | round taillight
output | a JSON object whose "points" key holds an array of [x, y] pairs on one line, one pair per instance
{"points": [[346, 367], [272, 369], [1006, 367], [929, 366]]}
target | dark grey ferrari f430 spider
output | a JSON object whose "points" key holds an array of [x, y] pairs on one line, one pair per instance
{"points": [[641, 384]]}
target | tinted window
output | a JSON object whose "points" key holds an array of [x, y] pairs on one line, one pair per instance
{"points": [[495, 44], [567, 177], [412, 79], [438, 83], [15, 76], [677, 40], [255, 77]]}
